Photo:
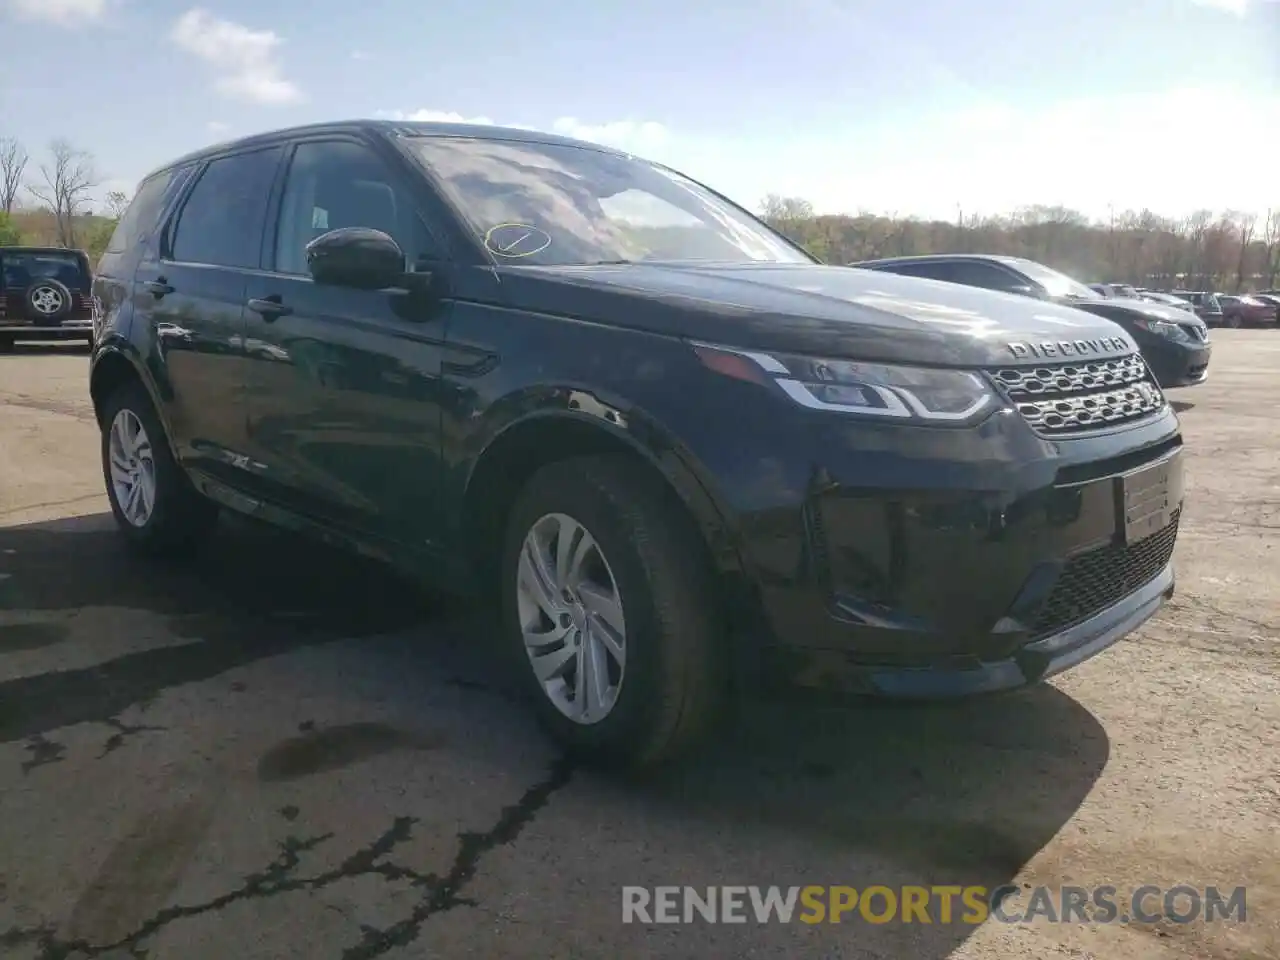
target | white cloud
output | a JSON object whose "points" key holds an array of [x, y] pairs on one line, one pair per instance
{"points": [[245, 59], [218, 128], [624, 134], [66, 12]]}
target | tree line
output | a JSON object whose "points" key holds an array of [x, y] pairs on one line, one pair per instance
{"points": [[1223, 251], [51, 203]]}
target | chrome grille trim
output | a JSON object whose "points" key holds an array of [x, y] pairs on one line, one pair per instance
{"points": [[1063, 398]]}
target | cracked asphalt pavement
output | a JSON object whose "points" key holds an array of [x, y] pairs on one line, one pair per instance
{"points": [[277, 752]]}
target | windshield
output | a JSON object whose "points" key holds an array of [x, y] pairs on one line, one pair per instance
{"points": [[1057, 284], [557, 204]]}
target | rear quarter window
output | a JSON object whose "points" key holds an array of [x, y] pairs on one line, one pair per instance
{"points": [[141, 216]]}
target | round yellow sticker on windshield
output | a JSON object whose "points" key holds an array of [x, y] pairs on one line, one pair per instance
{"points": [[515, 240]]}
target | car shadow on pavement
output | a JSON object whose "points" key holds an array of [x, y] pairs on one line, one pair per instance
{"points": [[1181, 406], [856, 795]]}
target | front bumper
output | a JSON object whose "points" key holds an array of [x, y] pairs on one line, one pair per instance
{"points": [[839, 672], [934, 563], [1177, 363]]}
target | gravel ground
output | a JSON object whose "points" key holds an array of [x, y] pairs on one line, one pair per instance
{"points": [[277, 752]]}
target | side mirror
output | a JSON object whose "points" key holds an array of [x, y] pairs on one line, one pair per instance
{"points": [[1027, 290], [356, 257]]}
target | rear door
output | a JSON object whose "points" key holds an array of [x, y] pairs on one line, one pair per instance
{"points": [[190, 292]]}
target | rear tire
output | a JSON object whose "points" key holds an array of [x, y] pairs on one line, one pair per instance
{"points": [[670, 688], [154, 504]]}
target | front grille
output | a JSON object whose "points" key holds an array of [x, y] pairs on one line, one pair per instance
{"points": [[1065, 398], [1093, 581], [1198, 333]]}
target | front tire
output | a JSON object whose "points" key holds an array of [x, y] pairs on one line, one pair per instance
{"points": [[610, 615], [155, 507]]}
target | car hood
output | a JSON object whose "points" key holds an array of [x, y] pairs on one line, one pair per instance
{"points": [[1123, 307], [819, 310]]}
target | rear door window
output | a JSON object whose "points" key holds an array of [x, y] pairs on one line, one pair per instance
{"points": [[222, 220]]}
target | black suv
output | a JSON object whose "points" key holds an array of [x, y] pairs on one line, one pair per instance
{"points": [[1173, 342], [686, 458], [45, 294]]}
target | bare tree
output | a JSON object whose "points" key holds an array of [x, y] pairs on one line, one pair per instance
{"points": [[67, 181], [13, 164], [117, 202], [1271, 245]]}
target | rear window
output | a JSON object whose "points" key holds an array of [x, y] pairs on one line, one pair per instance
{"points": [[23, 269]]}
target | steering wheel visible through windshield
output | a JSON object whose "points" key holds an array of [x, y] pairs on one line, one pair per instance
{"points": [[559, 204]]}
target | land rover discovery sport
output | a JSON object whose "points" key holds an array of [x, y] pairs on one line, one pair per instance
{"points": [[688, 460]]}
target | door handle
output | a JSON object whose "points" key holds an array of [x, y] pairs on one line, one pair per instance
{"points": [[269, 307], [157, 288]]}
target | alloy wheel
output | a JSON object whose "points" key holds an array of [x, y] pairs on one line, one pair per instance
{"points": [[132, 467], [46, 300], [571, 618]]}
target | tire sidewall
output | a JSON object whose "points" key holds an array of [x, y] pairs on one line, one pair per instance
{"points": [[631, 716], [68, 301]]}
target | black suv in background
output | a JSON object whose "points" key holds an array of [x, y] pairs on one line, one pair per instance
{"points": [[1173, 343], [45, 294], [687, 459]]}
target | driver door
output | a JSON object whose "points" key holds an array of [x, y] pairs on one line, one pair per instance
{"points": [[343, 398]]}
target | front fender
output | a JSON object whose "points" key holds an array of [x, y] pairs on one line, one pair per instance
{"points": [[625, 424]]}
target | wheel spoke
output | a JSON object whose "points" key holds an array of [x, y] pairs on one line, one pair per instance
{"points": [[597, 670], [548, 666], [572, 545], [580, 705], [536, 577], [131, 505], [542, 638], [603, 605]]}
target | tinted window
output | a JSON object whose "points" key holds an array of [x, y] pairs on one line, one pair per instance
{"points": [[930, 271], [221, 222], [342, 184], [141, 216], [553, 203], [23, 269], [974, 273]]}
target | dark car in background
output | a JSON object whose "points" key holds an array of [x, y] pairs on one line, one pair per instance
{"points": [[682, 457], [1168, 299], [1173, 343], [1246, 311], [45, 294], [1205, 303]]}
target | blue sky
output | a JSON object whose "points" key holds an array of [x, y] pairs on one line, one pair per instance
{"points": [[909, 107]]}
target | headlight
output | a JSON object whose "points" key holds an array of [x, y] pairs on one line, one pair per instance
{"points": [[1163, 328], [866, 389]]}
